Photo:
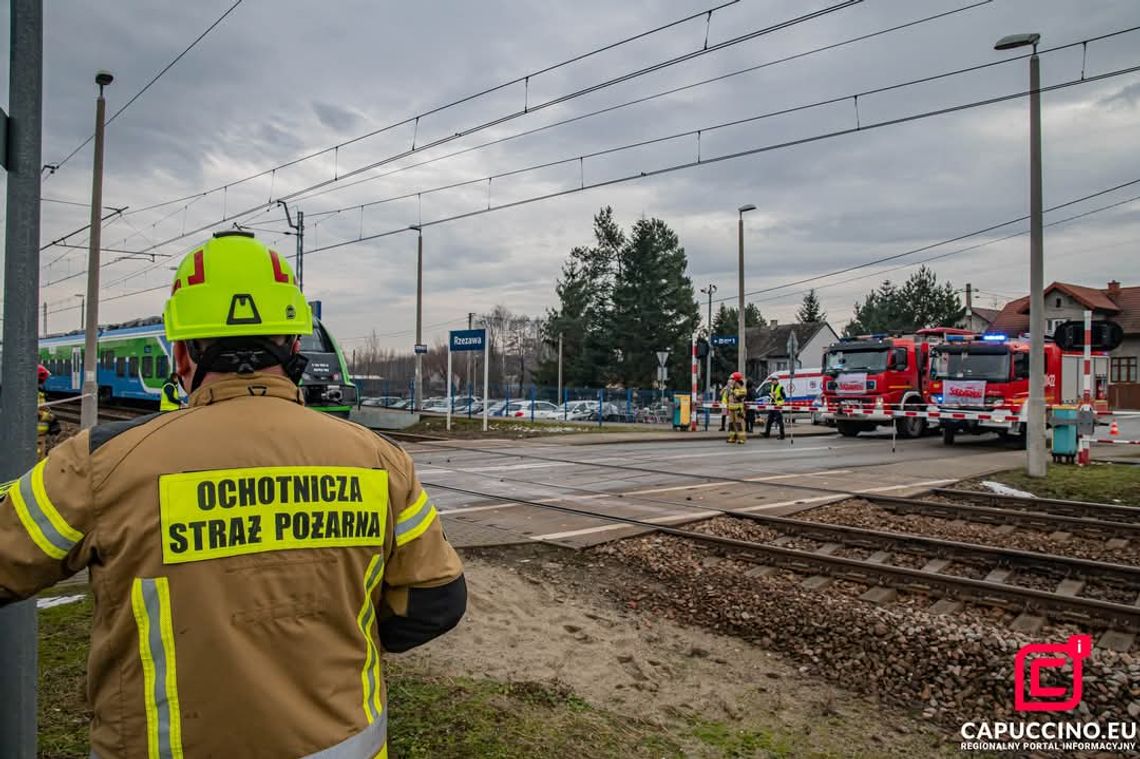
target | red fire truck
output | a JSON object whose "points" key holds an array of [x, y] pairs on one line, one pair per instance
{"points": [[989, 374], [867, 377]]}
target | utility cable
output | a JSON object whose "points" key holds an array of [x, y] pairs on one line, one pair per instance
{"points": [[526, 110], [58, 165]]}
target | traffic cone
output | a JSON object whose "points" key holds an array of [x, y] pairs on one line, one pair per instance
{"points": [[1113, 429]]}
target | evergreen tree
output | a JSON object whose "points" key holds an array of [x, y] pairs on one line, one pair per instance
{"points": [[654, 306], [919, 303], [811, 310], [584, 314], [725, 323]]}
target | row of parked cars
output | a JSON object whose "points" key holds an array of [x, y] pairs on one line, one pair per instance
{"points": [[582, 410]]}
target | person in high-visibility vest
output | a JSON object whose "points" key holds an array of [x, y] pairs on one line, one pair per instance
{"points": [[737, 394], [46, 423], [724, 405], [253, 557], [776, 400], [170, 399]]}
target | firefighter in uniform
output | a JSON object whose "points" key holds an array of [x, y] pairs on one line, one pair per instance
{"points": [[775, 409], [737, 393], [46, 423], [170, 400], [250, 558]]}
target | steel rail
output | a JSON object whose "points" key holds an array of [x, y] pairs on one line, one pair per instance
{"points": [[1073, 608]]}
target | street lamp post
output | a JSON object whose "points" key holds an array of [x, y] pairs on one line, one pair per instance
{"points": [[708, 356], [742, 349], [89, 408], [419, 386], [1035, 422]]}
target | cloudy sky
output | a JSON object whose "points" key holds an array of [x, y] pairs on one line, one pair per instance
{"points": [[276, 81]]}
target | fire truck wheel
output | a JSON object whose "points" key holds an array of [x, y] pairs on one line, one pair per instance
{"points": [[947, 435], [848, 429]]}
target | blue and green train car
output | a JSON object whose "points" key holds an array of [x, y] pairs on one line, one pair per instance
{"points": [[135, 360]]}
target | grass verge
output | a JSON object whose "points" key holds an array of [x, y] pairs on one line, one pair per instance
{"points": [[1101, 482], [431, 715]]}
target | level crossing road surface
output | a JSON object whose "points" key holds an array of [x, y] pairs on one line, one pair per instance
{"points": [[675, 482]]}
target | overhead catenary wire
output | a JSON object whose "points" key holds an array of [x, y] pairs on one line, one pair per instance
{"points": [[708, 160], [692, 132], [59, 164], [726, 157], [959, 251], [527, 110]]}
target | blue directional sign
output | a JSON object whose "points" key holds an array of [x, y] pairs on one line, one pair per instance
{"points": [[721, 341], [468, 339]]}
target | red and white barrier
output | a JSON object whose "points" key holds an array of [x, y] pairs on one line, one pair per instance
{"points": [[1112, 442]]}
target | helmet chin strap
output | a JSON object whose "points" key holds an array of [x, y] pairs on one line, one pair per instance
{"points": [[245, 355]]}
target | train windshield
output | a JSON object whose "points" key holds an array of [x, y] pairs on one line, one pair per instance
{"points": [[317, 342], [871, 361], [966, 365]]}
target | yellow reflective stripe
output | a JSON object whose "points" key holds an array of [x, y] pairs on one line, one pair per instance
{"points": [[138, 605], [166, 627], [413, 528], [44, 525], [412, 510], [48, 507], [383, 753], [150, 602], [370, 674]]}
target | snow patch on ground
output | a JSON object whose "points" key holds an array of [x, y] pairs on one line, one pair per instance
{"points": [[1000, 489]]}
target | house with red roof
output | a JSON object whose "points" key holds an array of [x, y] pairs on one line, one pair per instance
{"points": [[1065, 302]]}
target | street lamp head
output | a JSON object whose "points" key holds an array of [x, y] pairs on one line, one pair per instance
{"points": [[415, 227], [1017, 40], [748, 207], [103, 78]]}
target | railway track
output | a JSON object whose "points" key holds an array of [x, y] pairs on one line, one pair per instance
{"points": [[1061, 604], [70, 413], [1107, 521]]}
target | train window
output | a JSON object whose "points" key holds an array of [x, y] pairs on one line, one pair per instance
{"points": [[317, 342], [163, 368], [120, 366], [108, 360], [132, 366], [148, 366]]}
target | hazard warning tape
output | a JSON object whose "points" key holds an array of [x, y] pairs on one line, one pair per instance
{"points": [[1112, 442]]}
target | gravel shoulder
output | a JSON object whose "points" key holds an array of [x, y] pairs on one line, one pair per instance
{"points": [[539, 613]]}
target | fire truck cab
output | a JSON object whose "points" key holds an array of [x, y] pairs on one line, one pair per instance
{"points": [[988, 376], [866, 377]]}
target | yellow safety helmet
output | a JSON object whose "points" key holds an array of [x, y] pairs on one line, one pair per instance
{"points": [[235, 286]]}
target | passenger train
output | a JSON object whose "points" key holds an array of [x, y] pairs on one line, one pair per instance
{"points": [[135, 360]]}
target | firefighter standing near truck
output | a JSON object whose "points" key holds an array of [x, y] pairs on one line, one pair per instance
{"points": [[250, 558], [737, 394]]}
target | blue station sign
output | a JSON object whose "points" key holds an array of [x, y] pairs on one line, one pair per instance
{"points": [[721, 341], [468, 339]]}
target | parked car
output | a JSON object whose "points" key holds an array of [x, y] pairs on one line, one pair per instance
{"points": [[588, 411], [383, 401], [529, 409]]}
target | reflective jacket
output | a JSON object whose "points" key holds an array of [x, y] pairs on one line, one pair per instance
{"points": [[736, 397], [249, 559], [776, 394], [169, 399]]}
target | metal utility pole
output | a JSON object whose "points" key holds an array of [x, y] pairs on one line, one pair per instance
{"points": [[21, 156], [560, 399], [470, 325], [89, 408], [419, 389], [299, 233], [1035, 406], [45, 319], [742, 350], [708, 356]]}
